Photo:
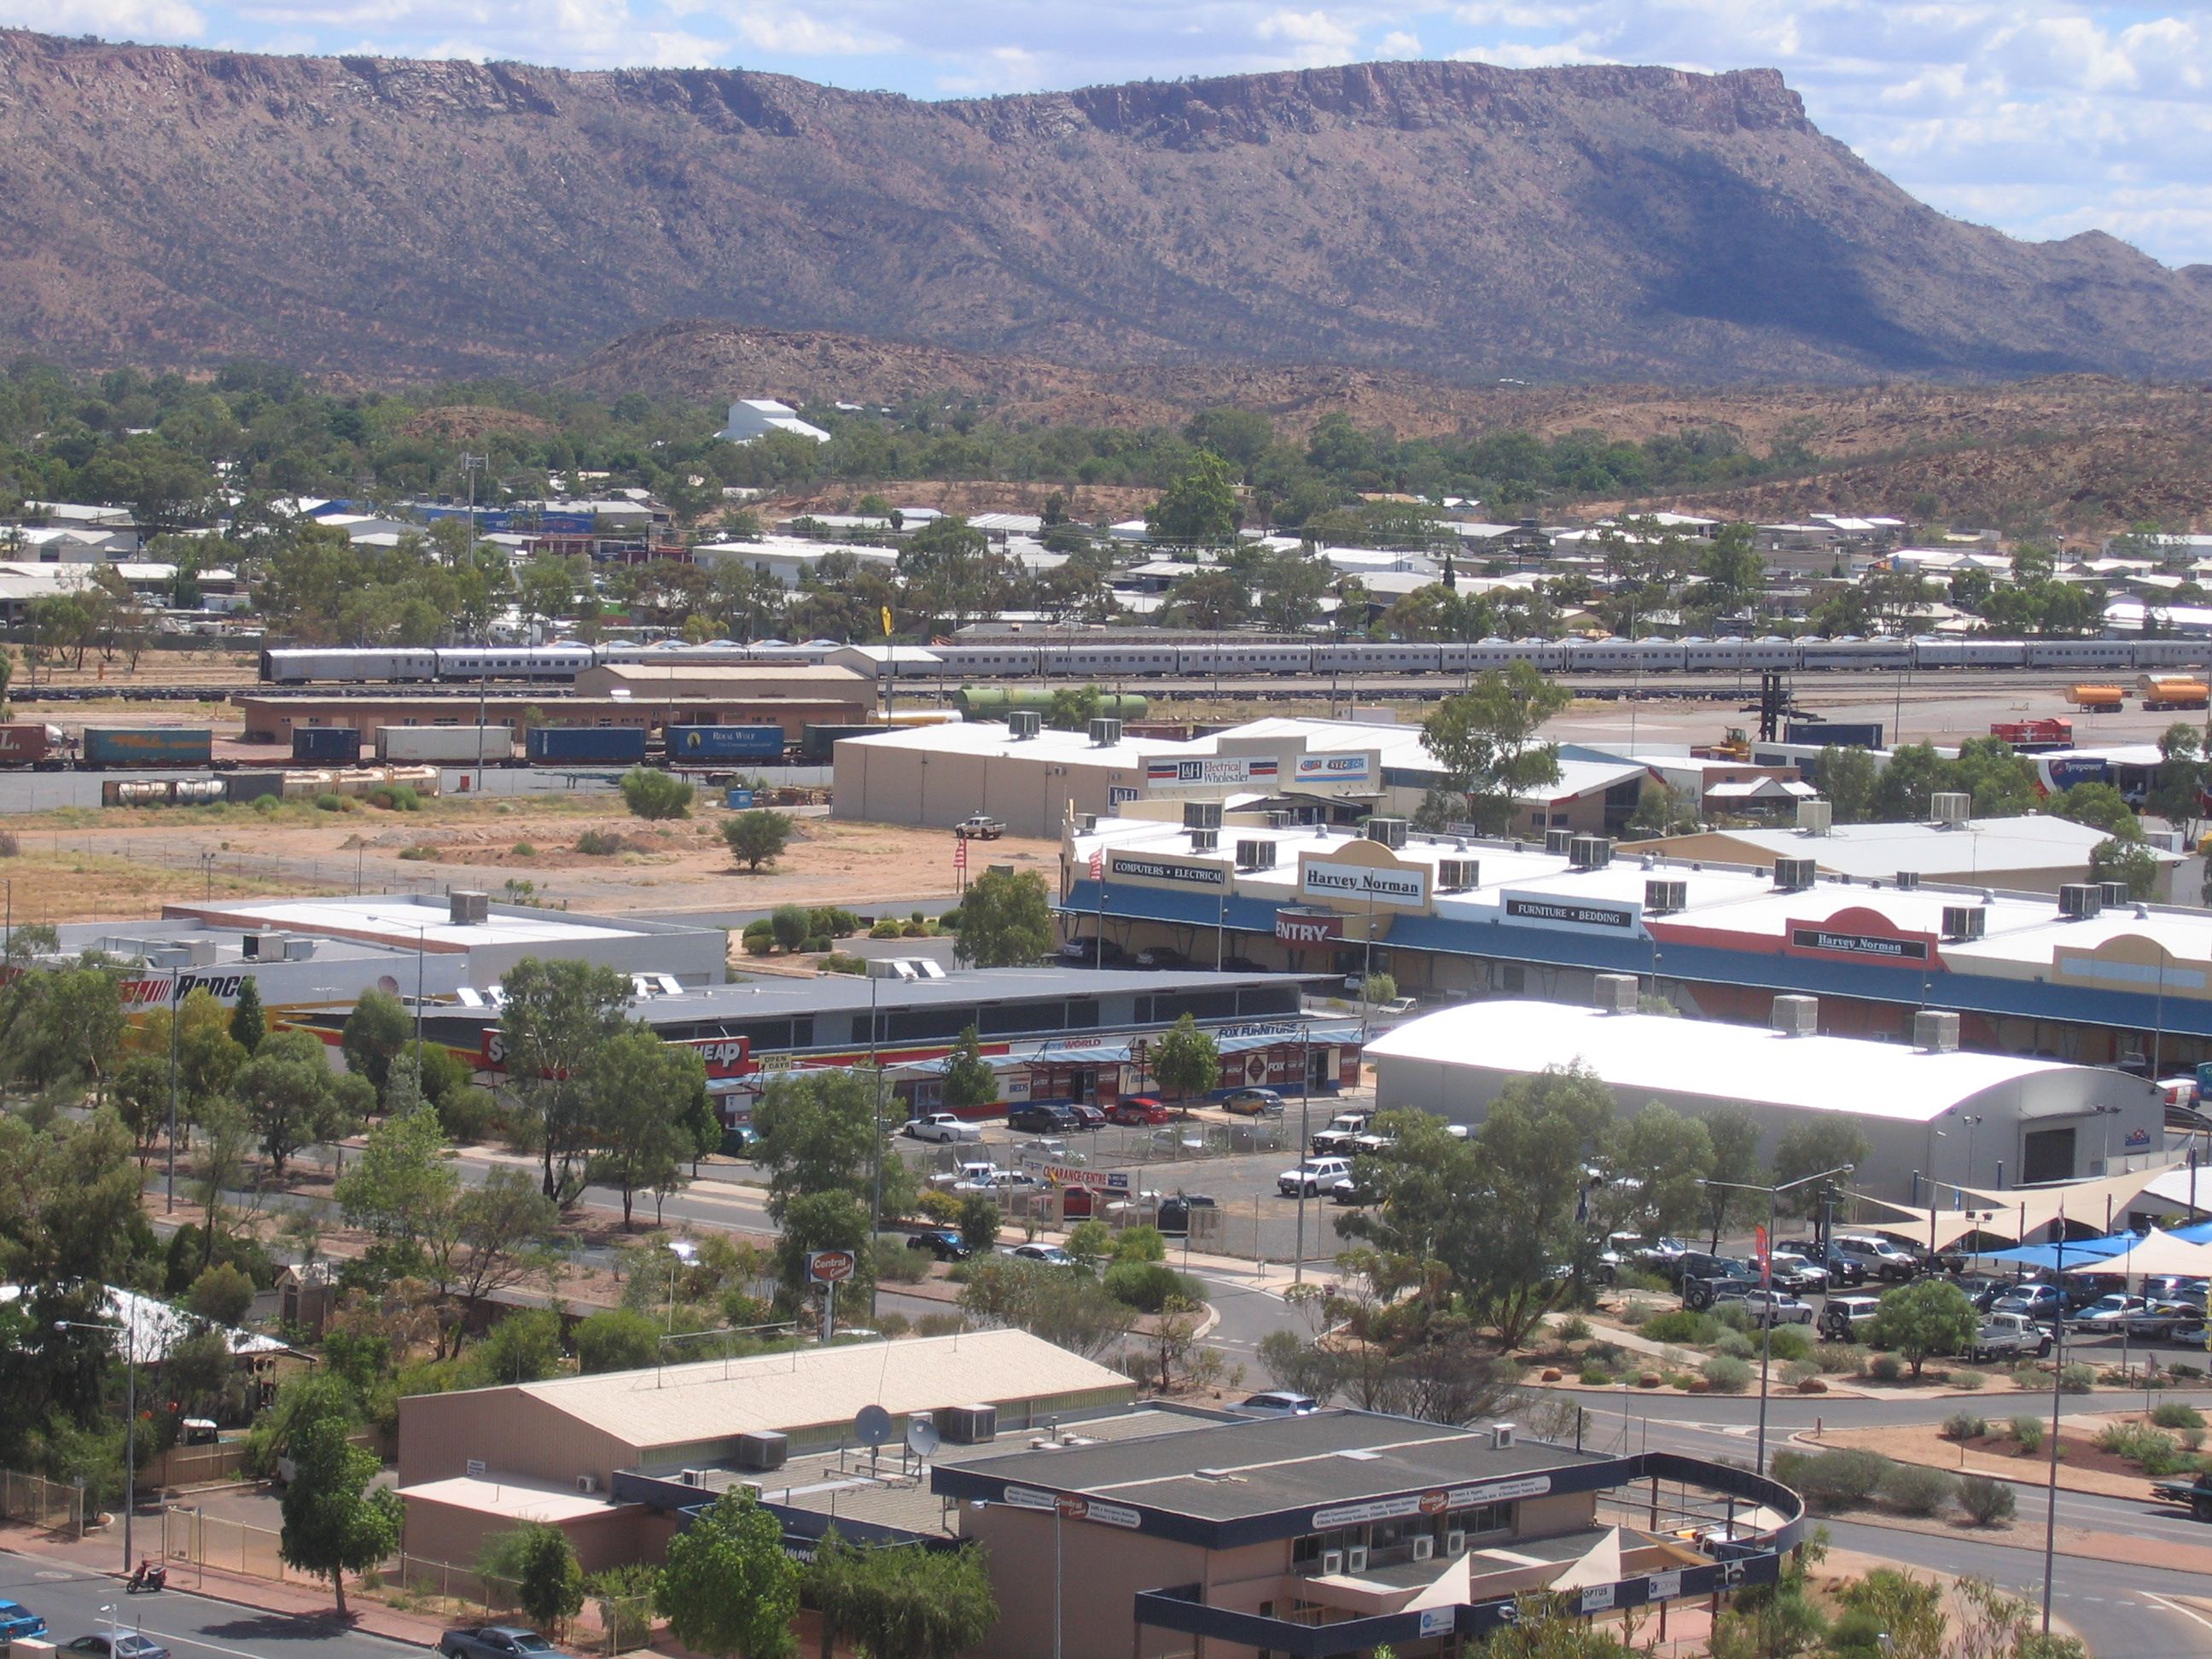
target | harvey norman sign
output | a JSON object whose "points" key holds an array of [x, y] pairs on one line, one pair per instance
{"points": [[1878, 947], [1142, 869], [1326, 878]]}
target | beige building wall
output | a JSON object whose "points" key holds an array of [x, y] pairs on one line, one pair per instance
{"points": [[1100, 1570], [456, 1534], [509, 1432], [887, 784]]}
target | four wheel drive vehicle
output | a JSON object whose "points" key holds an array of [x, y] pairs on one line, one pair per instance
{"points": [[946, 1243], [982, 827], [2040, 1303], [1162, 956], [1793, 1272], [1313, 1177], [939, 1127], [1088, 952], [1843, 1317], [1138, 1112], [2196, 1494], [2008, 1333], [1341, 1131], [493, 1641], [1841, 1269], [1051, 1255], [118, 1644], [1277, 1402], [1174, 1220], [18, 1623], [1687, 1265], [1766, 1307], [1699, 1293], [1038, 1118], [1882, 1259], [1253, 1103]]}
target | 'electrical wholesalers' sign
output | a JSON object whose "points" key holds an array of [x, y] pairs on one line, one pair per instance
{"points": [[1327, 878], [1212, 772]]}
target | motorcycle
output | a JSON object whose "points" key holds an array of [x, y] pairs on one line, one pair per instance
{"points": [[148, 1577]]}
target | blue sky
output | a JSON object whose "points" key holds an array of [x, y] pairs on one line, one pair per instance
{"points": [[2043, 119]]}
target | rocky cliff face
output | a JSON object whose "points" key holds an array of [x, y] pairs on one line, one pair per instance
{"points": [[388, 218]]}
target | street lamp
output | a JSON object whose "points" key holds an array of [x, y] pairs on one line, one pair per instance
{"points": [[1766, 1282], [130, 1417]]}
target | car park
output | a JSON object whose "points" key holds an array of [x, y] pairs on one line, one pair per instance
{"points": [[1767, 1307], [1351, 1194], [2106, 1313], [19, 1624], [1882, 1259], [1039, 1118], [1700, 1292], [1687, 1265], [2165, 1321], [1277, 1402], [1174, 1215], [940, 1127], [1337, 1135], [1313, 1177], [1138, 1112], [1051, 1255], [946, 1243], [1086, 1117], [980, 827], [492, 1642], [1843, 1317], [1253, 1103]]}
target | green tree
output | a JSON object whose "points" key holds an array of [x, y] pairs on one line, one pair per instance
{"points": [[2183, 774], [1668, 1157], [375, 1032], [1851, 781], [895, 1603], [951, 573], [979, 1223], [1931, 1317], [2003, 785], [653, 794], [2122, 859], [1733, 1136], [1186, 1060], [557, 1014], [221, 1294], [970, 1082], [2100, 806], [489, 1239], [792, 925], [1211, 601], [1199, 507], [640, 1093], [617, 1340], [334, 1524], [1734, 574], [248, 1026], [757, 837], [1487, 741], [1005, 920], [549, 1579], [818, 1133], [728, 1589], [1813, 1146], [140, 1099], [289, 1093], [1661, 811], [400, 1186], [524, 1346], [1914, 775]]}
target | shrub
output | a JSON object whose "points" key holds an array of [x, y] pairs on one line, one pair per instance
{"points": [[1814, 1385], [1681, 1325], [469, 1115], [1965, 1425], [1800, 1371], [1885, 1368], [895, 1263], [837, 961], [2028, 1375], [1728, 1374], [2027, 1433], [884, 930], [650, 795], [1915, 1489], [1832, 1481], [2154, 1453], [939, 1209], [395, 798], [415, 854], [594, 843], [1840, 1359], [2191, 1438], [894, 1324], [916, 929], [523, 849], [757, 838], [264, 806], [2177, 1415], [1735, 1316], [1969, 1380], [10, 847], [1596, 1377], [1574, 1329], [328, 802], [1684, 1381], [2075, 1378], [1148, 1285], [1789, 1343], [939, 1324], [1640, 1278], [1987, 1502], [1735, 1345]]}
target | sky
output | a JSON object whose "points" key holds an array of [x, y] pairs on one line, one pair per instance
{"points": [[2042, 119]]}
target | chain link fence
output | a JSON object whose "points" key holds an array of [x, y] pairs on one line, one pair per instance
{"points": [[51, 1505]]}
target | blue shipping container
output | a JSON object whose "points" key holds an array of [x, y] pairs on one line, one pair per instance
{"points": [[586, 746], [695, 745], [150, 746], [739, 800], [325, 743]]}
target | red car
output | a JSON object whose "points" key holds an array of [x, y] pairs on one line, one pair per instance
{"points": [[1138, 1111]]}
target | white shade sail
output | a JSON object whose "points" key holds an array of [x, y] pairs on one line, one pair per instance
{"points": [[2155, 1252]]}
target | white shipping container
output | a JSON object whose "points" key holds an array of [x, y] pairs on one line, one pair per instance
{"points": [[468, 745]]}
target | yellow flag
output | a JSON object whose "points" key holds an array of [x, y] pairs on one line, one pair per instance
{"points": [[887, 621]]}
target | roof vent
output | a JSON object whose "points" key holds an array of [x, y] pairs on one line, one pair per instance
{"points": [[1589, 853], [1022, 724], [1664, 896], [1201, 815], [1458, 875], [1389, 832], [1815, 817], [1935, 1030], [1796, 1017], [1257, 854], [2081, 900], [1617, 993], [1949, 809], [1907, 880], [1105, 734], [468, 910], [1964, 922], [1795, 875]]}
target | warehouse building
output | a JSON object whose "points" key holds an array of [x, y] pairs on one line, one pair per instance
{"points": [[2031, 1119], [936, 775]]}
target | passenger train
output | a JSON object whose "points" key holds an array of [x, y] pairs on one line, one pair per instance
{"points": [[1073, 660]]}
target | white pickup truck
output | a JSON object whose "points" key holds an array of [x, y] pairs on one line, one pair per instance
{"points": [[1335, 1141], [940, 1127], [2009, 1334]]}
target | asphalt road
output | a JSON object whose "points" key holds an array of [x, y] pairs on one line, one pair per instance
{"points": [[189, 1626]]}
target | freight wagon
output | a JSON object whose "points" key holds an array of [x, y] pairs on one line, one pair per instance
{"points": [[110, 749], [707, 745], [160, 791], [586, 746], [450, 745]]}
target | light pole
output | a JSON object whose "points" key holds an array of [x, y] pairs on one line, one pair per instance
{"points": [[1973, 1122], [1766, 1282], [176, 1016], [876, 1140], [130, 1417], [2057, 1371]]}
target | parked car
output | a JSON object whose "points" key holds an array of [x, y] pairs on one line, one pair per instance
{"points": [[1174, 1219], [1313, 1177], [1162, 956], [1253, 1103], [1337, 1136], [2040, 1303], [1086, 1117], [1242, 965], [1793, 1274], [119, 1645], [982, 826], [946, 1243], [2165, 1321], [1882, 1258], [1840, 1268], [2106, 1313], [2173, 1287], [1399, 1007], [1699, 1293], [1352, 1193], [1085, 951], [1842, 1317], [1689, 1265], [1051, 1255], [1138, 1112], [2008, 1334], [492, 1642], [740, 1141], [1765, 1306], [941, 1127], [1039, 1118], [19, 1624], [1277, 1402]]}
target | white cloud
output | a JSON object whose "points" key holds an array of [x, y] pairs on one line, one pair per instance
{"points": [[1399, 43], [116, 20]]}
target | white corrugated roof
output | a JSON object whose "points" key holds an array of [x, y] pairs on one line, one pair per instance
{"points": [[1879, 850]]}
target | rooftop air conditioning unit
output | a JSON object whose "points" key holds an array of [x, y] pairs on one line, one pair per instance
{"points": [[298, 948], [1105, 734], [1935, 1030], [1556, 841], [1022, 724], [763, 1449], [1201, 815], [1355, 1558], [1616, 993], [1964, 922], [1086, 822], [587, 1484], [1425, 1547], [252, 947], [200, 952], [1907, 880], [1795, 875], [1458, 875], [1332, 1563], [1949, 808], [1796, 1016], [1281, 820], [1816, 817], [1390, 832], [1204, 841], [466, 909], [1664, 896], [692, 1477], [2116, 892], [2081, 900], [1255, 854], [1589, 853], [1502, 1436], [1456, 1542], [968, 1426]]}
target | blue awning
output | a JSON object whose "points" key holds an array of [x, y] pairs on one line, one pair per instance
{"points": [[2078, 1250]]}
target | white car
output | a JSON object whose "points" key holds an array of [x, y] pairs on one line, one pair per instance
{"points": [[1278, 1402], [1313, 1177], [987, 1178], [940, 1127]]}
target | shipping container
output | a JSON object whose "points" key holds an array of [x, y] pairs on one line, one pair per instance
{"points": [[325, 744], [252, 786], [26, 745], [704, 746], [815, 748], [1843, 734], [586, 746], [156, 745], [463, 745]]}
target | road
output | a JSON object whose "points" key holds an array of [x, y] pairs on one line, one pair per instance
{"points": [[189, 1626]]}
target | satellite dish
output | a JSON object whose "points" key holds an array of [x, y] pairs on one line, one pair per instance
{"points": [[921, 1436], [872, 1425]]}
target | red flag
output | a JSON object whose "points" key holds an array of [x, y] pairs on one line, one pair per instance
{"points": [[1762, 1246], [960, 853], [1098, 864]]}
